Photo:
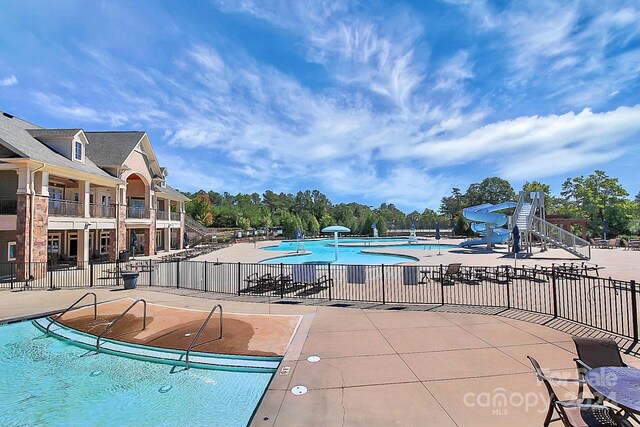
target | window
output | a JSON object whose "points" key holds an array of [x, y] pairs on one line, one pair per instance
{"points": [[11, 253], [78, 151], [104, 242]]}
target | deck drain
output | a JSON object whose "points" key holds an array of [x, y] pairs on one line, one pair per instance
{"points": [[313, 359], [299, 390]]}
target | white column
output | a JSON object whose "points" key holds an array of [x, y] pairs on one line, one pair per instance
{"points": [[83, 196], [168, 240], [83, 246]]}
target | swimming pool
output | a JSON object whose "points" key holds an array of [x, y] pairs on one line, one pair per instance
{"points": [[352, 251], [46, 381]]}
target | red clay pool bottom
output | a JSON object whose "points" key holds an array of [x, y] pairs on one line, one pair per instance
{"points": [[175, 328]]}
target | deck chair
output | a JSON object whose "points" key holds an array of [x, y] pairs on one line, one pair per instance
{"points": [[256, 282], [305, 274], [356, 274], [453, 272], [410, 275], [578, 412], [595, 353]]}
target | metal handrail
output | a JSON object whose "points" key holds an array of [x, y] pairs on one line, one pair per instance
{"points": [[95, 309], [193, 342], [562, 237], [108, 328]]}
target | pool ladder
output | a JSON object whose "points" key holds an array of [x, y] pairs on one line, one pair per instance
{"points": [[193, 342], [112, 324], [95, 309]]}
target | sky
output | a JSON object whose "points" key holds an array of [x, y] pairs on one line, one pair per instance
{"points": [[372, 101]]}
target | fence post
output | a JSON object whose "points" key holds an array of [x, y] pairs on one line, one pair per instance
{"points": [[91, 275], [205, 276], [12, 270], [281, 281], [441, 285], [634, 308], [150, 272], [239, 272], [555, 292], [117, 271], [178, 275], [329, 279], [51, 278], [384, 299], [508, 288]]}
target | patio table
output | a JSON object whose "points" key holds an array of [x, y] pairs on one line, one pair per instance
{"points": [[618, 385]]}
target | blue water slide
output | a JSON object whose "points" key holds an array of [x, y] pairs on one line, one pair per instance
{"points": [[486, 219]]}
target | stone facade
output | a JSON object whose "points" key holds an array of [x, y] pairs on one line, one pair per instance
{"points": [[23, 232], [119, 235], [150, 236]]}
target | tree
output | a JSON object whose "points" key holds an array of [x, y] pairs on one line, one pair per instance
{"points": [[199, 208], [491, 190], [530, 187], [598, 197]]}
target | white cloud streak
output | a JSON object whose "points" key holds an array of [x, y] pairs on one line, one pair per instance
{"points": [[9, 81]]}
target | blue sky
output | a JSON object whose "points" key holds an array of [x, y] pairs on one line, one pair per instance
{"points": [[367, 101]]}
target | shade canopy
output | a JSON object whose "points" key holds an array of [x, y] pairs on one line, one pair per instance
{"points": [[335, 229]]}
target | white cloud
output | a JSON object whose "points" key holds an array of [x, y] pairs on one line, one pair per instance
{"points": [[9, 81]]}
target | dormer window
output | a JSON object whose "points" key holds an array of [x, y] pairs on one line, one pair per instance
{"points": [[77, 152]]}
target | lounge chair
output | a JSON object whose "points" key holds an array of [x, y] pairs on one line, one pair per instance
{"points": [[595, 353], [453, 273], [257, 283], [304, 275], [580, 412]]}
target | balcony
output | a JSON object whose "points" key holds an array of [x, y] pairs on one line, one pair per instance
{"points": [[138, 212], [162, 215], [102, 211], [8, 206], [65, 208], [175, 216]]}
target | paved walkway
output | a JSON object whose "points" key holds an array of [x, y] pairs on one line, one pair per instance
{"points": [[381, 366]]}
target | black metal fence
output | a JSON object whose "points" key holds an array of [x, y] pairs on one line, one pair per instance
{"points": [[583, 297]]}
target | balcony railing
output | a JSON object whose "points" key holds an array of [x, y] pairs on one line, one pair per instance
{"points": [[162, 215], [102, 211], [175, 216], [8, 206], [138, 213], [65, 208]]}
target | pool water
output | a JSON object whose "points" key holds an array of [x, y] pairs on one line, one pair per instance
{"points": [[323, 251], [46, 381]]}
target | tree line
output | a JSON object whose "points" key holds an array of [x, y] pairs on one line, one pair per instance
{"points": [[596, 197]]}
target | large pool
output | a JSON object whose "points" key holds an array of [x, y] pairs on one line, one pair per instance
{"points": [[352, 251], [46, 381]]}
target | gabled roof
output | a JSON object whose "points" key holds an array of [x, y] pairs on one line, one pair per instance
{"points": [[53, 133], [170, 191], [111, 148], [15, 138]]}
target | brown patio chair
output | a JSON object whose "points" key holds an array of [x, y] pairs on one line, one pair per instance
{"points": [[582, 412], [595, 353], [453, 272]]}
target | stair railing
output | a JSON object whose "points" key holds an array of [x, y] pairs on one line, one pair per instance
{"points": [[562, 238]]}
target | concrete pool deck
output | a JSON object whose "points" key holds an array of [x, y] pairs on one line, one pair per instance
{"points": [[617, 263], [380, 367]]}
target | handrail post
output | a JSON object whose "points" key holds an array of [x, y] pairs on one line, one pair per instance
{"points": [[634, 309], [95, 309], [91, 275], [111, 324], [508, 287], [383, 290], [204, 324], [150, 272], [555, 292]]}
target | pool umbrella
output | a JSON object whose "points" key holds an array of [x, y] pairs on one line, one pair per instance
{"points": [[438, 236], [335, 229], [605, 228], [185, 239], [516, 243]]}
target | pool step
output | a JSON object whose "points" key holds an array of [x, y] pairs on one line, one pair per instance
{"points": [[161, 355]]}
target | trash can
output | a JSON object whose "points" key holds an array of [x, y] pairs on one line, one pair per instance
{"points": [[123, 256], [130, 279]]}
